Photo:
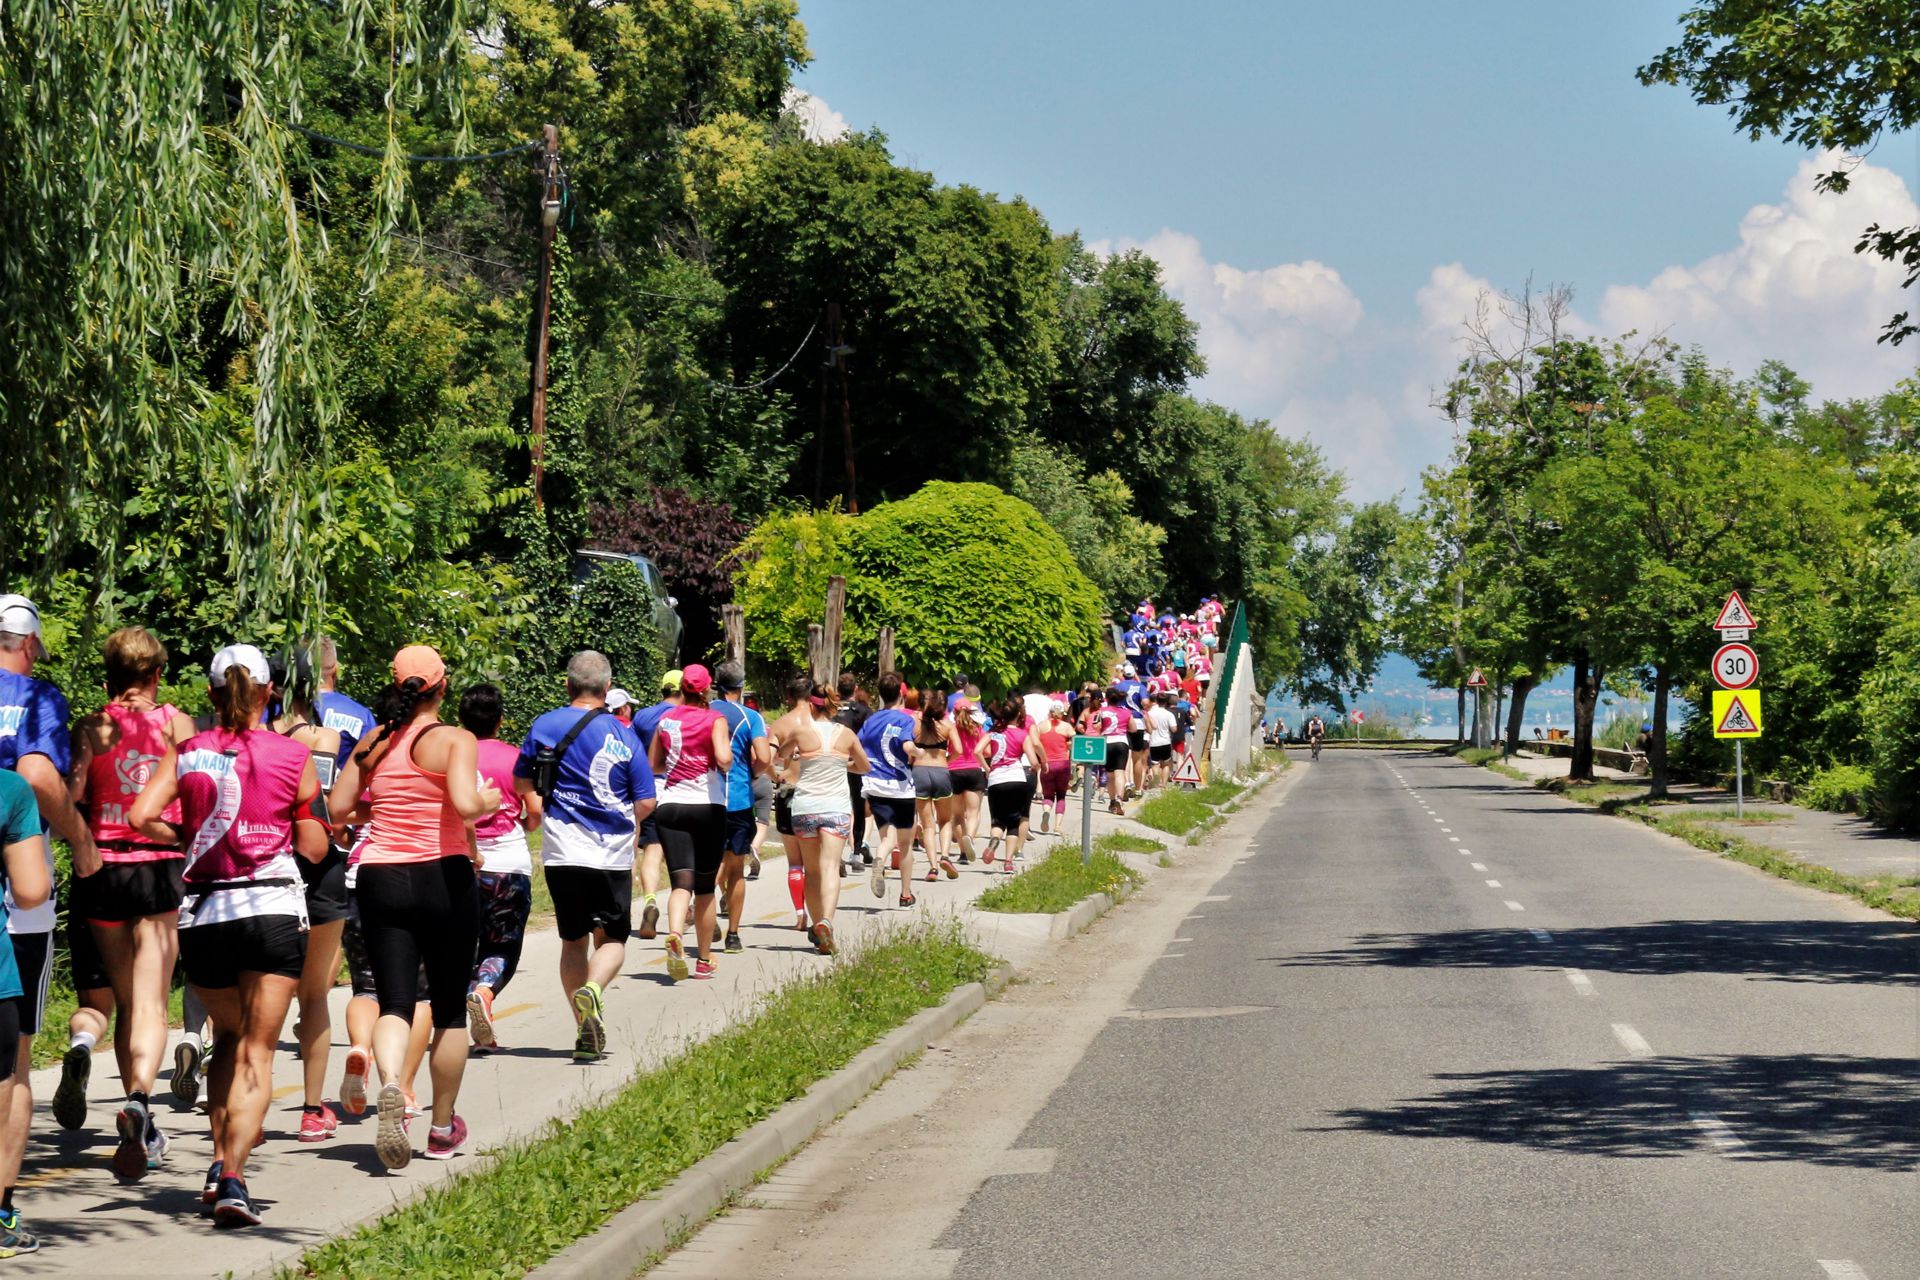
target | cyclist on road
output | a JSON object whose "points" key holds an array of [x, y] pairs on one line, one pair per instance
{"points": [[1316, 729]]}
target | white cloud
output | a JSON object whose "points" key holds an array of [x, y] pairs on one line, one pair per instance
{"points": [[1294, 344], [820, 122], [1793, 289]]}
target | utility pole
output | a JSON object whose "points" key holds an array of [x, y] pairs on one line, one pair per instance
{"points": [[549, 229], [837, 353]]}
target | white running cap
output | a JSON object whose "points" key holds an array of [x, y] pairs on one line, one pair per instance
{"points": [[19, 617], [618, 698], [239, 655]]}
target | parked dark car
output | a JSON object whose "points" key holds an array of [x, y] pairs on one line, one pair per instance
{"points": [[587, 563]]}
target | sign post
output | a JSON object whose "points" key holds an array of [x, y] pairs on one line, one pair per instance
{"points": [[1089, 752], [1478, 683], [1736, 703]]}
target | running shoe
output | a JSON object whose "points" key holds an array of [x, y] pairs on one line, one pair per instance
{"points": [[591, 1043], [318, 1126], [232, 1207], [1113, 807], [130, 1157], [933, 873], [211, 1192], [157, 1146], [734, 945], [445, 1146], [480, 1016], [676, 958], [723, 907], [879, 882], [703, 969], [823, 938], [14, 1238], [353, 1084], [946, 865], [187, 1057], [413, 1105], [907, 899], [753, 866], [719, 933], [390, 1141], [800, 920], [70, 1098], [650, 921]]}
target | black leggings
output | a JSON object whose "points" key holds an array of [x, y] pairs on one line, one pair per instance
{"points": [[694, 837], [415, 914]]}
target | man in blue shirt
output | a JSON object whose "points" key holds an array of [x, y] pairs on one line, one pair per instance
{"points": [[653, 854], [888, 786], [335, 709], [602, 791], [751, 755]]}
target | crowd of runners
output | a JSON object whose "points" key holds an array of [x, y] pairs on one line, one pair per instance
{"points": [[293, 826]]}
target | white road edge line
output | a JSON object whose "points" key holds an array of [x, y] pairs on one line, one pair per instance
{"points": [[1720, 1134], [1636, 1044], [1514, 906], [1581, 982]]}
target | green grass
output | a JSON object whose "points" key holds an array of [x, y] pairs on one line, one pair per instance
{"points": [[542, 1194], [1121, 842], [1060, 879], [1177, 811], [1727, 813]]}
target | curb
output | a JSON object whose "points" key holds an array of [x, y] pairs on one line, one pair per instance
{"points": [[1064, 924], [650, 1227]]}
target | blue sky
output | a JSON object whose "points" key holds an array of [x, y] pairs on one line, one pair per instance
{"points": [[1330, 186]]}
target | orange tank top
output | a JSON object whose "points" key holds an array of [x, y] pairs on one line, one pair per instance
{"points": [[413, 818]]}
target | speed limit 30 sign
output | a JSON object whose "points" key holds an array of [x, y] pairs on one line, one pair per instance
{"points": [[1735, 666]]}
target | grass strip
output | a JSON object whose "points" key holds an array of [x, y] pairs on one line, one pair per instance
{"points": [[1060, 879], [541, 1194], [1897, 895], [1178, 811]]}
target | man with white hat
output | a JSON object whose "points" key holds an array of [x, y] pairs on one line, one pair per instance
{"points": [[35, 743]]}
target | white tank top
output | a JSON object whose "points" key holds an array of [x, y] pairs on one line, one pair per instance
{"points": [[822, 787]]}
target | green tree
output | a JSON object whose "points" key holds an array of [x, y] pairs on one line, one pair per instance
{"points": [[1093, 516]]}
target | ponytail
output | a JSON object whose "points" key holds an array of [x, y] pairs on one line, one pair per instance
{"points": [[395, 707], [234, 702]]}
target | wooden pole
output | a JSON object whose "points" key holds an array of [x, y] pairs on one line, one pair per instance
{"points": [[734, 619], [836, 618], [886, 650], [816, 652]]}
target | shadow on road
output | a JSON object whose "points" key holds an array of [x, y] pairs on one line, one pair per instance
{"points": [[1869, 951], [1849, 1112]]}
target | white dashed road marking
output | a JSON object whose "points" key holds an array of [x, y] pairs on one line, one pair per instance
{"points": [[1632, 1041], [1720, 1134], [1514, 906], [1581, 982], [1842, 1269], [1478, 866], [1493, 884]]}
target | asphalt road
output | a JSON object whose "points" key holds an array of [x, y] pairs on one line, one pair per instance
{"points": [[1436, 1025]]}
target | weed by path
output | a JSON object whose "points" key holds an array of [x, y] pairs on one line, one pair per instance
{"points": [[1059, 880], [542, 1194]]}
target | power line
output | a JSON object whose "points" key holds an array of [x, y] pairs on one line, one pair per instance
{"points": [[768, 380]]}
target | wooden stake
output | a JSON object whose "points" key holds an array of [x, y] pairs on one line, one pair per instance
{"points": [[836, 618], [886, 650], [734, 619]]}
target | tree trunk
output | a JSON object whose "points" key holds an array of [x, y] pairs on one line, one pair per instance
{"points": [[1586, 699], [1482, 718], [1657, 749], [1517, 710], [1460, 716]]}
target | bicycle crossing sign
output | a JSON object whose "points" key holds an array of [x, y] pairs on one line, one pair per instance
{"points": [[1735, 616], [1736, 713]]}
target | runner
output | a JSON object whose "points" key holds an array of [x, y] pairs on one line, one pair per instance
{"points": [[1135, 691], [932, 787], [130, 907], [888, 787], [969, 779], [1112, 722], [414, 891], [22, 848], [818, 755], [504, 883], [1162, 724], [35, 743], [1011, 756], [334, 709], [591, 774], [1056, 777], [751, 756], [248, 799], [620, 703], [653, 858], [692, 755], [852, 712]]}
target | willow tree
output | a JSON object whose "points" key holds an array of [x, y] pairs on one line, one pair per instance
{"points": [[158, 245]]}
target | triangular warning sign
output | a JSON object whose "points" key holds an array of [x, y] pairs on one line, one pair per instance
{"points": [[1737, 719], [1477, 680], [1186, 769], [1734, 613]]}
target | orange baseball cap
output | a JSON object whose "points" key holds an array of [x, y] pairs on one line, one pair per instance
{"points": [[421, 662]]}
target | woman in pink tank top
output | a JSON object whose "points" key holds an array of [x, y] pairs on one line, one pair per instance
{"points": [[126, 910], [414, 889], [246, 813]]}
